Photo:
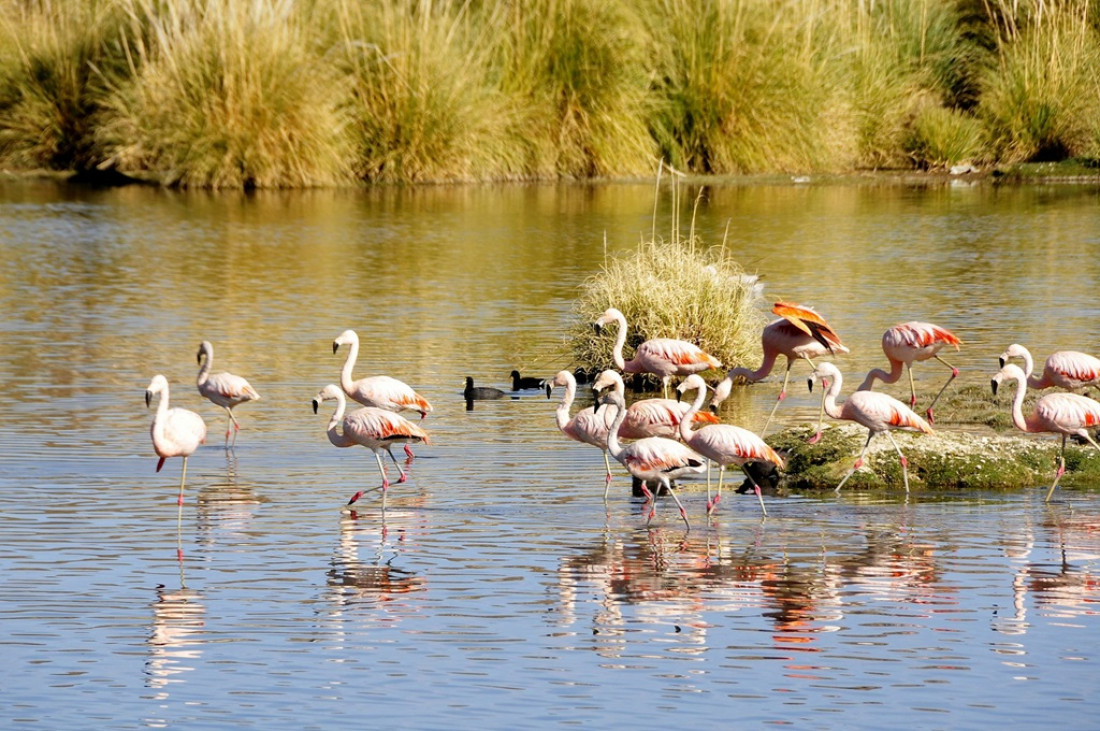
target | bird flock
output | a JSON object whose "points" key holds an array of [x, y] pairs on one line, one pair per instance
{"points": [[665, 438]]}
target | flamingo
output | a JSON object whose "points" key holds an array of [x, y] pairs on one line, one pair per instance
{"points": [[650, 459], [224, 389], [908, 342], [1060, 413], [879, 412], [1068, 369], [651, 417], [663, 357], [372, 427], [586, 426], [382, 392], [176, 432], [522, 383], [799, 333], [724, 444]]}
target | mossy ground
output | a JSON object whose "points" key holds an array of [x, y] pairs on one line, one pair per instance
{"points": [[975, 446]]}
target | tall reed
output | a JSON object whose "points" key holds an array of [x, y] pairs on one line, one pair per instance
{"points": [[227, 93]]}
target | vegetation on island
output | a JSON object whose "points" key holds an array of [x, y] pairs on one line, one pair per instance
{"points": [[296, 93]]}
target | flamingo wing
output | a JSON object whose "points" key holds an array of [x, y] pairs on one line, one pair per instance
{"points": [[1066, 413], [657, 455], [917, 335], [388, 393], [677, 353], [880, 411], [591, 428], [1074, 365], [729, 444], [809, 322], [371, 425], [227, 389], [181, 433]]}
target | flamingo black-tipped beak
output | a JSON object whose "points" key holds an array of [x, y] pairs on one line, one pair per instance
{"points": [[148, 399], [355, 497], [1001, 360], [598, 328], [810, 385], [548, 390], [993, 385], [713, 409], [335, 347], [316, 405]]}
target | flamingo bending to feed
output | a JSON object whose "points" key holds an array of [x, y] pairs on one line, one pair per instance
{"points": [[651, 417], [1059, 413], [371, 427], [382, 392], [650, 459], [663, 357], [879, 412], [1068, 369], [908, 342], [724, 444], [586, 426], [224, 389], [799, 333], [176, 432]]}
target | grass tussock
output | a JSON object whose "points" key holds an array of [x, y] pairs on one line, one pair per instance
{"points": [[226, 94], [677, 288]]}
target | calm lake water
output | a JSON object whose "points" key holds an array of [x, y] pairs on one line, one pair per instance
{"points": [[497, 590]]}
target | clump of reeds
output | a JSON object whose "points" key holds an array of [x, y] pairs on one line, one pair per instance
{"points": [[939, 138], [1041, 100], [227, 94], [675, 288]]}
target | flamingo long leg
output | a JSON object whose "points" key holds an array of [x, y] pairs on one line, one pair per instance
{"points": [[904, 462], [179, 511], [859, 461], [756, 488], [671, 491], [404, 476], [607, 479], [954, 375], [782, 395], [820, 411]]}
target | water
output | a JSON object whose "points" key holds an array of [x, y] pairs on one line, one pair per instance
{"points": [[497, 590]]}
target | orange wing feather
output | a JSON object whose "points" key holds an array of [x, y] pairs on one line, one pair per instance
{"points": [[809, 322]]}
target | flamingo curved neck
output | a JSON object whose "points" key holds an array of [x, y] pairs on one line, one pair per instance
{"points": [[1018, 404], [335, 437], [831, 407], [765, 368], [896, 369], [613, 447], [204, 367], [566, 403], [349, 363], [686, 432], [620, 341]]}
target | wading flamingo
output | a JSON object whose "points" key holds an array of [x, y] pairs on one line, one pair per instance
{"points": [[371, 427], [663, 357], [650, 459], [381, 392], [1058, 413], [650, 417], [724, 444], [522, 383], [908, 342], [585, 426], [176, 433], [224, 389], [879, 412], [1068, 369], [799, 333]]}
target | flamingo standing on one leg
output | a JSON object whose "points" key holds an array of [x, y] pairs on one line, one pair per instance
{"points": [[724, 444], [586, 426], [879, 412], [1068, 369], [382, 392], [908, 342], [651, 459], [651, 417], [1060, 413], [799, 333], [663, 357], [176, 433], [374, 428], [224, 389]]}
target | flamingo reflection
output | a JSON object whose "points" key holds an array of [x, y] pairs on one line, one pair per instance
{"points": [[175, 638]]}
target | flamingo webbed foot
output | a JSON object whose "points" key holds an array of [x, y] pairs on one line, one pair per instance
{"points": [[814, 439], [355, 497]]}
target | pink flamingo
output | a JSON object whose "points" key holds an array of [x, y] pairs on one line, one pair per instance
{"points": [[224, 389], [908, 342], [374, 428], [651, 417], [663, 357], [586, 426], [724, 444], [878, 412], [651, 459], [382, 392], [799, 333], [1068, 369], [1060, 413], [176, 433]]}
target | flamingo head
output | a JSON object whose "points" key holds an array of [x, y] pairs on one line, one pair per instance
{"points": [[610, 315], [1013, 351], [331, 391], [1009, 371], [158, 385], [691, 383], [345, 338], [205, 348]]}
